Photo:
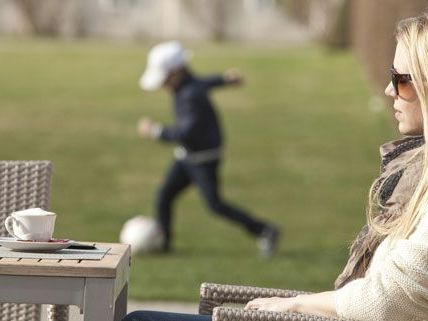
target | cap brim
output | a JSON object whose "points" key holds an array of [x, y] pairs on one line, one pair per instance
{"points": [[152, 79]]}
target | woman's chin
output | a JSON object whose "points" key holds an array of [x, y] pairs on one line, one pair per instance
{"points": [[404, 130]]}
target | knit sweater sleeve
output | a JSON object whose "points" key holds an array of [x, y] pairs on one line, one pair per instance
{"points": [[395, 288]]}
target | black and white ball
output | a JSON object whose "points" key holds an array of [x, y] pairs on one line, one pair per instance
{"points": [[143, 234]]}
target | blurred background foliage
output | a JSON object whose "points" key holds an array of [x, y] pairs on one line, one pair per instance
{"points": [[353, 24]]}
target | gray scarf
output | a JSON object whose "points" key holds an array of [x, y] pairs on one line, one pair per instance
{"points": [[367, 240]]}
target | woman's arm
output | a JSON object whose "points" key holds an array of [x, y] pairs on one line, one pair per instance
{"points": [[319, 303]]}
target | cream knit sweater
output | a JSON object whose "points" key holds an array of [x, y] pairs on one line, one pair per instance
{"points": [[395, 287]]}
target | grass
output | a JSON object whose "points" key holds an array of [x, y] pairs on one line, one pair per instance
{"points": [[302, 149]]}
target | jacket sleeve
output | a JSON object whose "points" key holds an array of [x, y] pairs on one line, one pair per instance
{"points": [[393, 290], [185, 127], [214, 81]]}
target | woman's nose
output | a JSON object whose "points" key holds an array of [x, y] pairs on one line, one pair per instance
{"points": [[390, 91]]}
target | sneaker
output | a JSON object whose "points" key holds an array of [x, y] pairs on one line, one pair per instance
{"points": [[267, 242]]}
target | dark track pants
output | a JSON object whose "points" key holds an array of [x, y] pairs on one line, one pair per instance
{"points": [[205, 176]]}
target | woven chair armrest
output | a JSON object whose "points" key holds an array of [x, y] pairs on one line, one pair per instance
{"points": [[213, 295], [234, 314]]}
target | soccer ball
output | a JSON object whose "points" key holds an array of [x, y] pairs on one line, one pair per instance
{"points": [[143, 234]]}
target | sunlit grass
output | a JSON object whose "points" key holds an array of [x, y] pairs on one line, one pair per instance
{"points": [[302, 148]]}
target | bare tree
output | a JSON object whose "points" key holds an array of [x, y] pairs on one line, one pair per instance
{"points": [[44, 17], [328, 19], [365, 25], [212, 14], [372, 32]]}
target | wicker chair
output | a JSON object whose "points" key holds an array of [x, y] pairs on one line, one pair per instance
{"points": [[25, 184], [212, 296]]}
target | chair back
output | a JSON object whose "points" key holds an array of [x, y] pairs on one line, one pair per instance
{"points": [[23, 184]]}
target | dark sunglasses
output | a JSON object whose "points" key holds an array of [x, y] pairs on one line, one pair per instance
{"points": [[402, 84]]}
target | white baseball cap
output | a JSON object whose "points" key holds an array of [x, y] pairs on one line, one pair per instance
{"points": [[162, 59]]}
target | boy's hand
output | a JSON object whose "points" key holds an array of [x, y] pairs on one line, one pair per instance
{"points": [[144, 127], [233, 77]]}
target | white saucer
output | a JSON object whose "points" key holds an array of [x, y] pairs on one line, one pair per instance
{"points": [[16, 245]]}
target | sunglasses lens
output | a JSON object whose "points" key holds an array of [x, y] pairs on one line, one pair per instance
{"points": [[403, 87]]}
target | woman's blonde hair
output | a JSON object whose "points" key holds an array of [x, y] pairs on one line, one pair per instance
{"points": [[412, 34]]}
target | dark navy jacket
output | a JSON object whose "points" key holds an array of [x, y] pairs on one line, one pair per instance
{"points": [[196, 126]]}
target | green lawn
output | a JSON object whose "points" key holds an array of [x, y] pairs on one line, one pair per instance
{"points": [[302, 149]]}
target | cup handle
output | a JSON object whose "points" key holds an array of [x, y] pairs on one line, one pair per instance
{"points": [[8, 224]]}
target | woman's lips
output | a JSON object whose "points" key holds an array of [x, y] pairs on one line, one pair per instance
{"points": [[398, 115]]}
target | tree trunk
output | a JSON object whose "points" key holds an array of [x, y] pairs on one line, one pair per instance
{"points": [[373, 24]]}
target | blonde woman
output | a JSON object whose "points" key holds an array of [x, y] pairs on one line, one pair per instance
{"points": [[394, 287]]}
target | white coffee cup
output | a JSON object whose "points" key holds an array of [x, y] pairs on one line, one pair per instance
{"points": [[31, 224]]}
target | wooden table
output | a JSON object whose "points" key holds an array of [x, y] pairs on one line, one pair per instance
{"points": [[97, 287]]}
